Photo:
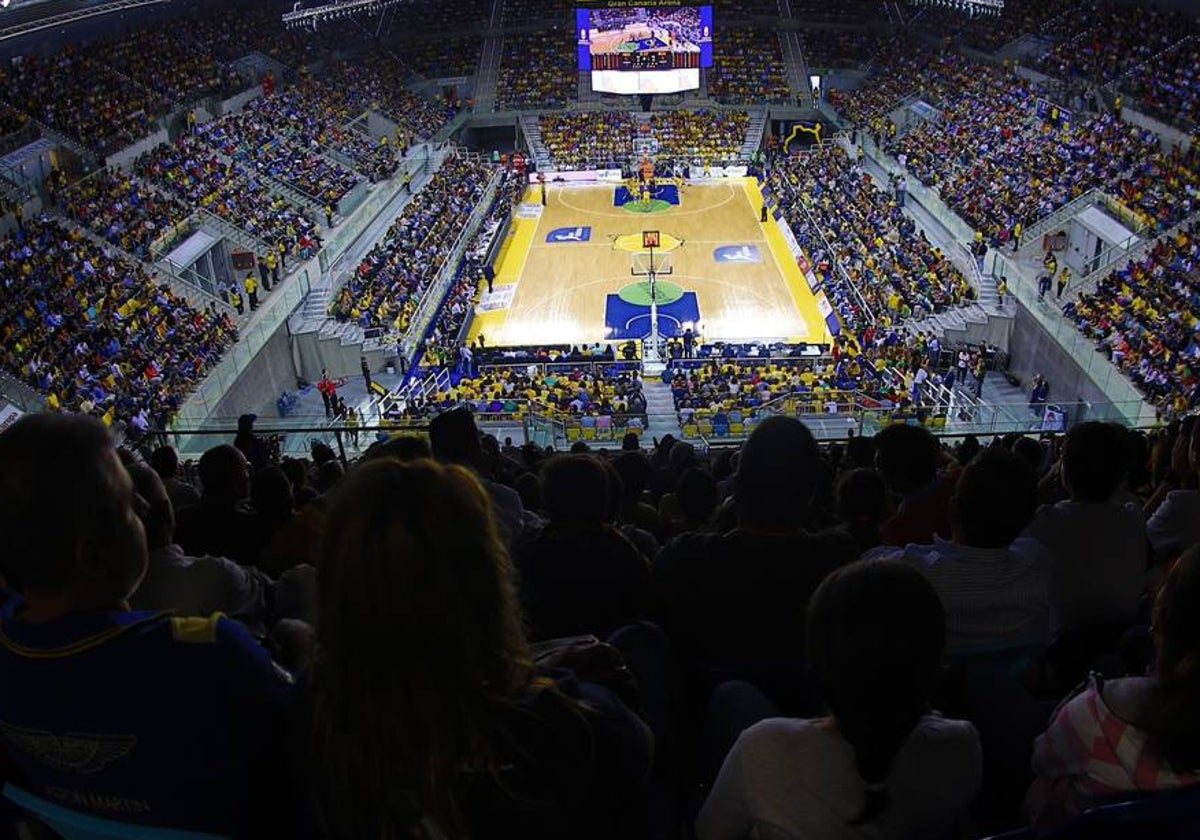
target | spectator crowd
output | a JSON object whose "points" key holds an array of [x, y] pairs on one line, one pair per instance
{"points": [[96, 335], [663, 631], [393, 277]]}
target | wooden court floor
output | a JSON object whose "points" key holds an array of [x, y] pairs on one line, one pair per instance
{"points": [[561, 287]]}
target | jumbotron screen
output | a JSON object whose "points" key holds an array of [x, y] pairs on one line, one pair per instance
{"points": [[655, 46]]}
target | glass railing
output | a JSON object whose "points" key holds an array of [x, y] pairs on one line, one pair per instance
{"points": [[201, 405], [346, 234], [832, 416], [1085, 351]]}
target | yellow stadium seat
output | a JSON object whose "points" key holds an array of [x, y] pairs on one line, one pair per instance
{"points": [[737, 429], [689, 430], [589, 432], [706, 429], [573, 433]]}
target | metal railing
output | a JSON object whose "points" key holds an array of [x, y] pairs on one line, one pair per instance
{"points": [[1104, 263], [798, 201], [232, 231], [1067, 211], [434, 296]]}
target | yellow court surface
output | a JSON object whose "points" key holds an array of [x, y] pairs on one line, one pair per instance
{"points": [[555, 273]]}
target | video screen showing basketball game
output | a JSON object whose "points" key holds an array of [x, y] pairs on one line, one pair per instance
{"points": [[657, 46]]}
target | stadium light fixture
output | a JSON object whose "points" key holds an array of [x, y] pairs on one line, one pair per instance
{"points": [[972, 8], [311, 17]]}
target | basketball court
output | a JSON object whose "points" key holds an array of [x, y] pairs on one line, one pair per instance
{"points": [[575, 271]]}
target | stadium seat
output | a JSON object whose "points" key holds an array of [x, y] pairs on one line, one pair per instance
{"points": [[72, 825], [1169, 816], [573, 433], [589, 432]]}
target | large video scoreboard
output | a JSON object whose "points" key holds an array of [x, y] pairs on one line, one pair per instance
{"points": [[649, 46]]}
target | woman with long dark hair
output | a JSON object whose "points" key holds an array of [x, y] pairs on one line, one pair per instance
{"points": [[1122, 738], [882, 764], [428, 717]]}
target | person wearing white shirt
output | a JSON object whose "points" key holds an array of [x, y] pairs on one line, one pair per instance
{"points": [[994, 584], [883, 764], [191, 586]]}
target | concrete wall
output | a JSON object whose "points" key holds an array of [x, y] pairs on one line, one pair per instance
{"points": [[1033, 350], [258, 388]]}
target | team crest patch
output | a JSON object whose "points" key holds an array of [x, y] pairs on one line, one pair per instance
{"points": [[71, 752], [738, 254], [575, 234]]}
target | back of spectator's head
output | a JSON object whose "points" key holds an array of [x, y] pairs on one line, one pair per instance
{"points": [[454, 438], [907, 456], [995, 499], [411, 554], [224, 474], [860, 452], [328, 475], [67, 511], [631, 442], [322, 453], [1137, 449], [697, 494], [529, 488], [157, 515], [1094, 461], [401, 447], [1029, 451], [165, 461], [575, 490], [777, 475], [296, 472], [968, 449], [271, 493], [634, 469], [682, 457], [862, 497], [1173, 724], [875, 636]]}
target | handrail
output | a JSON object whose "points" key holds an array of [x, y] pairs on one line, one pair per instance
{"points": [[1089, 199], [829, 249], [196, 286], [431, 303], [234, 231], [1089, 281]]}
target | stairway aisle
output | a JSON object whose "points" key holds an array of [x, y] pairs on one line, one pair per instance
{"points": [[660, 408]]}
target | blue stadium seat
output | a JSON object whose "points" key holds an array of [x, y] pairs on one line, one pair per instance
{"points": [[1169, 816], [72, 825]]}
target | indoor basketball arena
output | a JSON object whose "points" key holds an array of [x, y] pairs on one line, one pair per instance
{"points": [[656, 419]]}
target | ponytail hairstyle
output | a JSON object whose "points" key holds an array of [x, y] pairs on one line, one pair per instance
{"points": [[1172, 722], [876, 632]]}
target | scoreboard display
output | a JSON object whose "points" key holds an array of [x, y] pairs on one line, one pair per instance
{"points": [[651, 46]]}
